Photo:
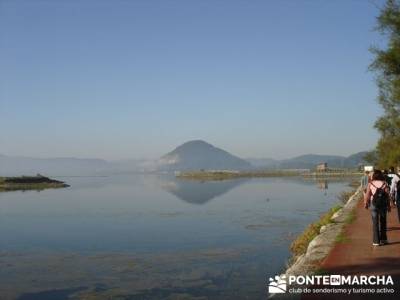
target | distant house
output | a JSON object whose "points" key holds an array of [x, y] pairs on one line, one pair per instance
{"points": [[322, 167], [368, 168]]}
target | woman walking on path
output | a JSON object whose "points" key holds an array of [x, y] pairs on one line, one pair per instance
{"points": [[377, 199]]}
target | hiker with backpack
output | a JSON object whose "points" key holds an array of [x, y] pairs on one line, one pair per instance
{"points": [[378, 201], [395, 190]]}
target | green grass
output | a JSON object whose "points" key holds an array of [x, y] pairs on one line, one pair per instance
{"points": [[341, 238], [351, 217], [300, 244]]}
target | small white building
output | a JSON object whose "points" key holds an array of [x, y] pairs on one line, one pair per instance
{"points": [[368, 168], [322, 167]]}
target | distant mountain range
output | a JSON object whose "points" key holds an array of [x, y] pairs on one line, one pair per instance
{"points": [[192, 155], [309, 161], [19, 165]]}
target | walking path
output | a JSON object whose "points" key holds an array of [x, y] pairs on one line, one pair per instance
{"points": [[357, 256]]}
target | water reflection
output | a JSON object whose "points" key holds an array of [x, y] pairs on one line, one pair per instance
{"points": [[322, 184], [129, 237], [201, 192], [198, 192]]}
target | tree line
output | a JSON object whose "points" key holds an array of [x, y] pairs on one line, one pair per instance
{"points": [[386, 66]]}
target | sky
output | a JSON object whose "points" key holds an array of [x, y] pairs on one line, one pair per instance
{"points": [[134, 79]]}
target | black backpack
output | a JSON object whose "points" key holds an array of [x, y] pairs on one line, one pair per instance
{"points": [[380, 199]]}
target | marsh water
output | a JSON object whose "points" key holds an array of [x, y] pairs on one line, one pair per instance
{"points": [[154, 236]]}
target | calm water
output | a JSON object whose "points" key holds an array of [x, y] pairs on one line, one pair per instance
{"points": [[153, 237]]}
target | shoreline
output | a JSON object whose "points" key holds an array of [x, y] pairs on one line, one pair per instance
{"points": [[320, 246], [332, 174], [218, 175], [226, 175]]}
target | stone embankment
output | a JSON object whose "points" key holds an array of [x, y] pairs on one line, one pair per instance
{"points": [[321, 245], [319, 248]]}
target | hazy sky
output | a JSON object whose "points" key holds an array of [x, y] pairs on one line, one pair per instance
{"points": [[133, 79]]}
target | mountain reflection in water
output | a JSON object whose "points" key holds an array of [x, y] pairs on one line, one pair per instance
{"points": [[198, 192], [152, 236]]}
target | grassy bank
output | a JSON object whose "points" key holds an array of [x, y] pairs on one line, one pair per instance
{"points": [[29, 183], [300, 244], [224, 175]]}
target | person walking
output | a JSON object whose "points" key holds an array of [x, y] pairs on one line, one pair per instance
{"points": [[394, 190], [377, 200]]}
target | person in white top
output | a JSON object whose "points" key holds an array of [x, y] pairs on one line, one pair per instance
{"points": [[394, 193]]}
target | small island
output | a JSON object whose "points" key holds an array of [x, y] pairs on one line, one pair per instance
{"points": [[38, 182]]}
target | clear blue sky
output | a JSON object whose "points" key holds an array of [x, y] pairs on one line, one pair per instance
{"points": [[133, 79]]}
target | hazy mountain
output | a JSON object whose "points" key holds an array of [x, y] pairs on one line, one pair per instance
{"points": [[18, 165], [356, 159], [193, 155], [309, 161], [132, 165], [196, 155], [263, 162]]}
